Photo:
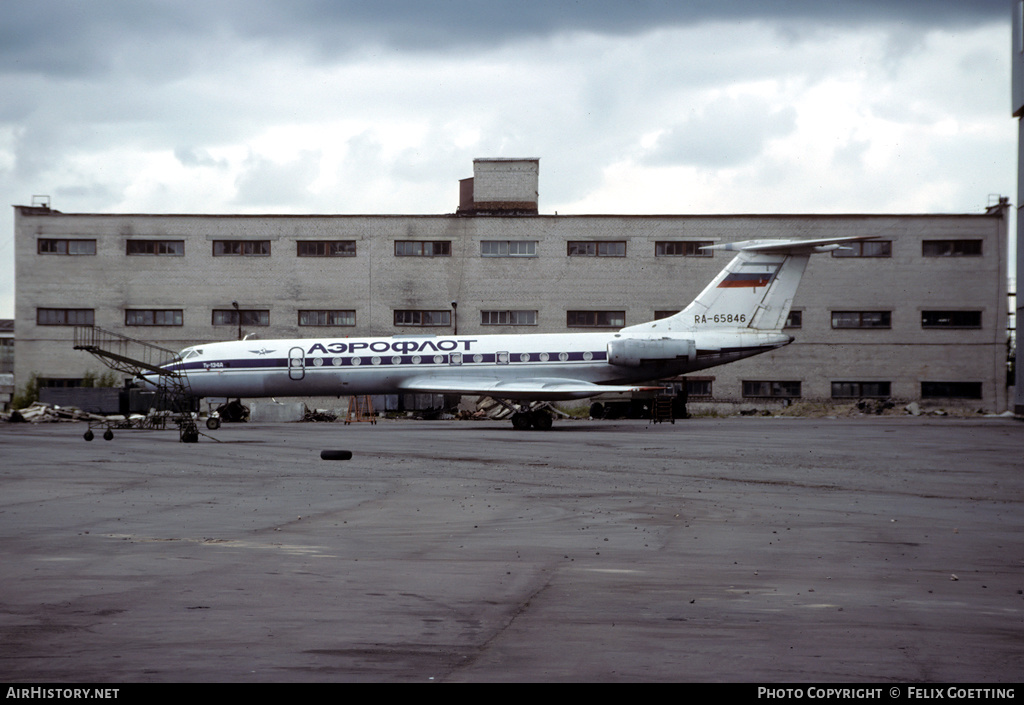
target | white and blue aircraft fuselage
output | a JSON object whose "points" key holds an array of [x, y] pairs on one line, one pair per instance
{"points": [[741, 313]]}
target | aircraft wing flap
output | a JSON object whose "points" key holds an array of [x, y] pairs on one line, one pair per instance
{"points": [[536, 388]]}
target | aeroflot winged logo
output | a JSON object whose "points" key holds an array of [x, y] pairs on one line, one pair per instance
{"points": [[398, 346], [261, 351]]}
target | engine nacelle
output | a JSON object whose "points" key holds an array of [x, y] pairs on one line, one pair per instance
{"points": [[633, 352]]}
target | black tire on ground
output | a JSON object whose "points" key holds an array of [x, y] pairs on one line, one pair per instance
{"points": [[597, 410], [542, 420], [88, 435], [521, 421], [213, 423], [335, 455]]}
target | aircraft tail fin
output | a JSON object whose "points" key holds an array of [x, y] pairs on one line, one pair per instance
{"points": [[755, 291]]}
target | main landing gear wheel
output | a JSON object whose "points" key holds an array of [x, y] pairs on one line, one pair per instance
{"points": [[521, 421], [540, 420]]}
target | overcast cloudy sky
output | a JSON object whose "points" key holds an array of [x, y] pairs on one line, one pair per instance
{"points": [[633, 106]]}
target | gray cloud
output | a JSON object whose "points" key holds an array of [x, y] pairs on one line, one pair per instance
{"points": [[69, 37]]}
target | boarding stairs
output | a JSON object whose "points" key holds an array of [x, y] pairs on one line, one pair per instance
{"points": [[663, 408], [138, 358]]}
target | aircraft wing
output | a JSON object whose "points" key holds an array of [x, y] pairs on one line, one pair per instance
{"points": [[536, 388]]}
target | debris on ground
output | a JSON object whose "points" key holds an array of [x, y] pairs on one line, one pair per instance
{"points": [[41, 412], [319, 415]]}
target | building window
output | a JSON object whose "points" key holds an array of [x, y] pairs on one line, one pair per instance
{"points": [[423, 318], [658, 315], [153, 317], [682, 248], [241, 248], [327, 318], [773, 390], [508, 248], [696, 387], [595, 319], [155, 247], [423, 248], [951, 390], [951, 319], [508, 318], [795, 319], [862, 319], [951, 248], [59, 382], [66, 246], [65, 316], [326, 248], [867, 248], [596, 248], [229, 317], [859, 390]]}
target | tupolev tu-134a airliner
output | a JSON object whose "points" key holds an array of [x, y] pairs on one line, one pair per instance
{"points": [[739, 314]]}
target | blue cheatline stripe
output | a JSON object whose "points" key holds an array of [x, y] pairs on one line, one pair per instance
{"points": [[468, 359]]}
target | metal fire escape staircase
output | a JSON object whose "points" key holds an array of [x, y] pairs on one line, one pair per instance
{"points": [[137, 358]]}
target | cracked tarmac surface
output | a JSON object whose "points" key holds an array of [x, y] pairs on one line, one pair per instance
{"points": [[730, 550]]}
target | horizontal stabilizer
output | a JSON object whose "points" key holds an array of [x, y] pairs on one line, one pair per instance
{"points": [[789, 247]]}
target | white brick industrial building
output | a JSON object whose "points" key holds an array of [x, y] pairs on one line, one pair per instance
{"points": [[919, 314]]}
